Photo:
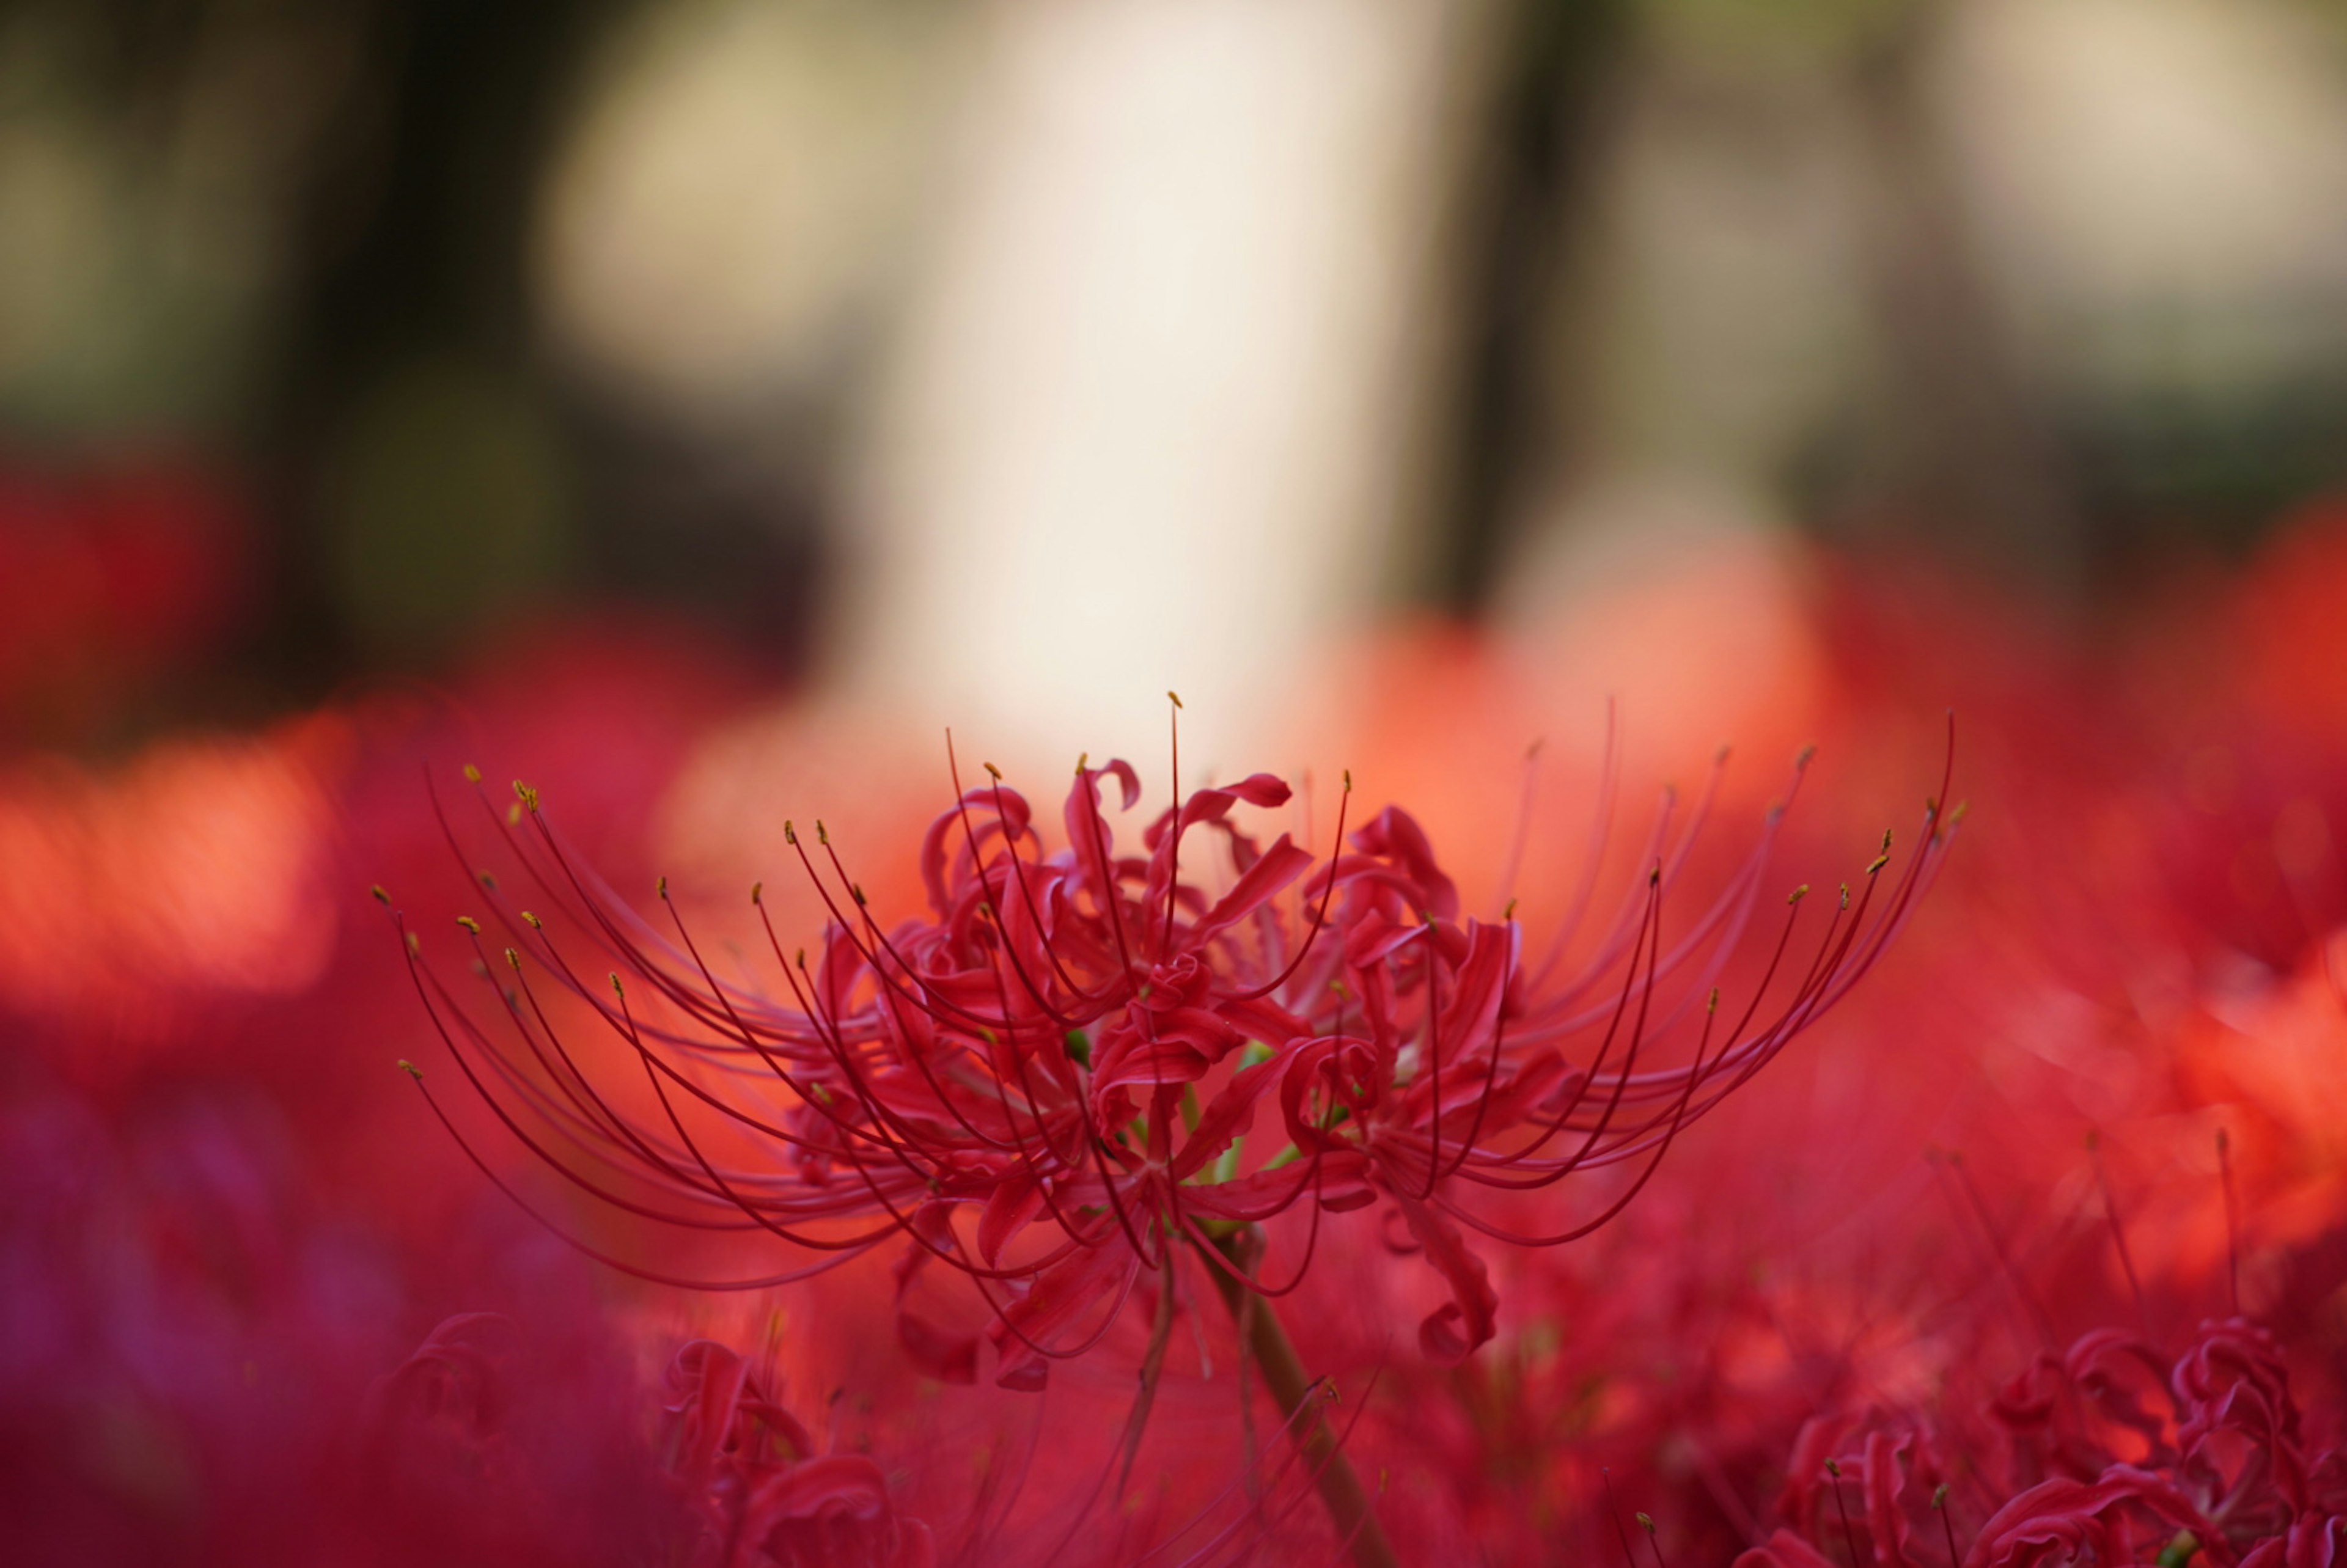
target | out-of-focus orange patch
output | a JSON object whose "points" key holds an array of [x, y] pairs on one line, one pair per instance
{"points": [[1693, 654], [718, 827], [1722, 647], [1432, 718], [2274, 1066], [193, 869]]}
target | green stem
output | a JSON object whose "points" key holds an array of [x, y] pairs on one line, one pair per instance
{"points": [[1341, 1491]]}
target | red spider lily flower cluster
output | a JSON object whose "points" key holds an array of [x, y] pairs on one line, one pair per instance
{"points": [[2110, 1453], [1048, 1080]]}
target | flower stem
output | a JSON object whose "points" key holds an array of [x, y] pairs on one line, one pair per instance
{"points": [[1341, 1491]]}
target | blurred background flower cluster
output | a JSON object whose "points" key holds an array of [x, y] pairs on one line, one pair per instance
{"points": [[693, 405]]}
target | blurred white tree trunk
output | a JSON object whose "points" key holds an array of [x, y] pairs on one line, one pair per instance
{"points": [[1156, 421]]}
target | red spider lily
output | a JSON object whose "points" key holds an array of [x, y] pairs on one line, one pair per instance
{"points": [[2110, 1453], [1045, 1083], [1080, 1040]]}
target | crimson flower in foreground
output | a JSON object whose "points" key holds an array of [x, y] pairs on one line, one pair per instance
{"points": [[1049, 1081]]}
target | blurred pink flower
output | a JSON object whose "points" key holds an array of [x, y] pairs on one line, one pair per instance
{"points": [[765, 1493], [188, 1345]]}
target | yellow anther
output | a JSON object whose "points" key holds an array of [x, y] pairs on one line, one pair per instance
{"points": [[757, 893], [662, 887], [488, 880], [790, 831], [469, 923], [534, 923], [1175, 697], [513, 959], [528, 796], [381, 897], [410, 1069], [472, 773], [415, 943], [821, 834], [1713, 1005], [992, 771], [512, 813], [1798, 894], [617, 988], [1084, 759]]}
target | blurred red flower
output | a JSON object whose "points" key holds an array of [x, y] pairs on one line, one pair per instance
{"points": [[107, 581]]}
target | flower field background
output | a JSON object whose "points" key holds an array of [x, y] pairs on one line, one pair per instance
{"points": [[616, 946], [2036, 1236]]}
